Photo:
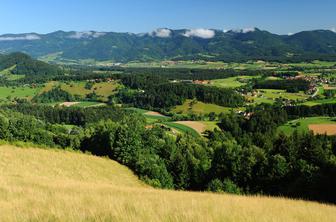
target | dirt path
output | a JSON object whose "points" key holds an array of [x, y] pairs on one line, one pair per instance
{"points": [[68, 104], [198, 126], [97, 105], [329, 129], [152, 113]]}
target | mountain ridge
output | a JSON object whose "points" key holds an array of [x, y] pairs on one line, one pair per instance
{"points": [[164, 43]]}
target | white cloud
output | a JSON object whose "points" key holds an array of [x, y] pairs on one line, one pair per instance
{"points": [[244, 30], [85, 35], [162, 33], [28, 37], [200, 33], [333, 29]]}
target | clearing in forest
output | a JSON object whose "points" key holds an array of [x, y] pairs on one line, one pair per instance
{"points": [[198, 126], [68, 104]]}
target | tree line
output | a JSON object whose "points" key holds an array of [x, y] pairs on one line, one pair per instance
{"points": [[154, 92], [246, 156]]}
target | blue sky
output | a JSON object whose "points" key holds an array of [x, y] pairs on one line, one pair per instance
{"points": [[278, 16]]}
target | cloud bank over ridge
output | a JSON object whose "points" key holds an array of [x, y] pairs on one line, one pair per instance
{"points": [[27, 37]]}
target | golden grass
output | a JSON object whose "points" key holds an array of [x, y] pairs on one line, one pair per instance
{"points": [[51, 185]]}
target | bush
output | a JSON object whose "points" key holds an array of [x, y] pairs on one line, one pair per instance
{"points": [[226, 186]]}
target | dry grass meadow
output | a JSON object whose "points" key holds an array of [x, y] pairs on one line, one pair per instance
{"points": [[198, 126], [53, 185]]}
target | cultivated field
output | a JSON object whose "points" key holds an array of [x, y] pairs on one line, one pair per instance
{"points": [[303, 124], [198, 126], [182, 128], [329, 129], [52, 185]]}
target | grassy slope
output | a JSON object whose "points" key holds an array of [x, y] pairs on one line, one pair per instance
{"points": [[232, 82], [201, 108], [182, 128], [20, 92], [7, 73], [304, 123], [269, 95], [320, 102], [89, 104], [103, 89], [51, 185]]}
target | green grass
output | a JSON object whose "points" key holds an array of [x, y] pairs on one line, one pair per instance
{"points": [[319, 102], [68, 126], [182, 128], [253, 65], [274, 93], [19, 92], [273, 78], [314, 64], [13, 77], [201, 108], [142, 111], [302, 125], [154, 119], [210, 125], [269, 96], [8, 74], [178, 64], [150, 118], [88, 104], [232, 82], [103, 89]]}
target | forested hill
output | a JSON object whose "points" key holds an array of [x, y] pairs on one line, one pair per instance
{"points": [[233, 45], [22, 64]]}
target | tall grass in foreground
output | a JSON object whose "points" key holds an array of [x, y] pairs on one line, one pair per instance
{"points": [[54, 185]]}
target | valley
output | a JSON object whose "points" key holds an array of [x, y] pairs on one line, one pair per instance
{"points": [[168, 111], [253, 129]]}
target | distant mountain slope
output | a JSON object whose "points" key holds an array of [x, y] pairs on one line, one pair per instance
{"points": [[55, 185], [233, 45], [20, 63]]}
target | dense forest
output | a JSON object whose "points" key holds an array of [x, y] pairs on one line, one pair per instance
{"points": [[245, 157], [289, 85], [23, 64], [164, 96]]}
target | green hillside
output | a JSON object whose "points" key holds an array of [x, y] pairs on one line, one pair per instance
{"points": [[22, 64], [233, 45]]}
